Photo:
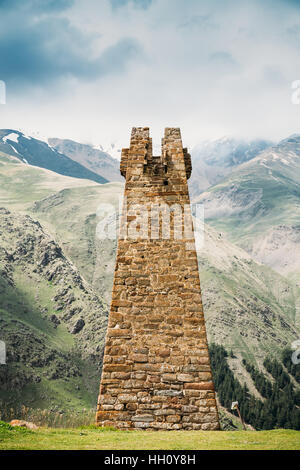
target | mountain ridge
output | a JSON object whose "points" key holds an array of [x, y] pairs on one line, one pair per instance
{"points": [[51, 320], [212, 160], [38, 153], [257, 206], [94, 159]]}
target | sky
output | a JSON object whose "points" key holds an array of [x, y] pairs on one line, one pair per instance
{"points": [[89, 70]]}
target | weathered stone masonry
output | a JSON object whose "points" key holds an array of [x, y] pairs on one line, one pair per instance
{"points": [[156, 370]]}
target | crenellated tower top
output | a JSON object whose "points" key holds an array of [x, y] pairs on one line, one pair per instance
{"points": [[139, 159]]}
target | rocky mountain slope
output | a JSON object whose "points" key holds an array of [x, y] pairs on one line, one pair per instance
{"points": [[258, 207], [212, 160], [94, 159], [38, 153], [248, 307], [53, 323]]}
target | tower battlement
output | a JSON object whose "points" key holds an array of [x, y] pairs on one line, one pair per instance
{"points": [[140, 154], [156, 369]]}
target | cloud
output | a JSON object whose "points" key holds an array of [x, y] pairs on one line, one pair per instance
{"points": [[36, 5], [199, 22], [222, 57], [274, 76], [210, 67], [223, 63], [43, 48], [144, 4]]}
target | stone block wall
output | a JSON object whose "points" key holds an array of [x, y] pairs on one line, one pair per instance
{"points": [[156, 369]]}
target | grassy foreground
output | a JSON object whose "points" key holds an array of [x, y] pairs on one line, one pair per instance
{"points": [[106, 439]]}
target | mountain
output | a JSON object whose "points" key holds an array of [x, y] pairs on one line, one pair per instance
{"points": [[258, 207], [38, 153], [214, 159], [51, 320], [249, 308], [26, 188], [22, 184], [94, 159]]}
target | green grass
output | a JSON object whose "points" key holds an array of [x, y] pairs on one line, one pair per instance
{"points": [[107, 439]]}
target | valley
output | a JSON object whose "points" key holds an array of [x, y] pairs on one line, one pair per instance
{"points": [[251, 304]]}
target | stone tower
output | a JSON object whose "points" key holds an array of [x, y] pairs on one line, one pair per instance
{"points": [[156, 369]]}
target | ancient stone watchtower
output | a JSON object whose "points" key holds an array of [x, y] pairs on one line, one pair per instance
{"points": [[156, 368]]}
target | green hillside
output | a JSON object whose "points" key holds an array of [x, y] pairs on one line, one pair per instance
{"points": [[21, 184], [52, 322], [258, 207]]}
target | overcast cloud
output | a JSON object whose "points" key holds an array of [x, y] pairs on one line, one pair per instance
{"points": [[89, 69]]}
